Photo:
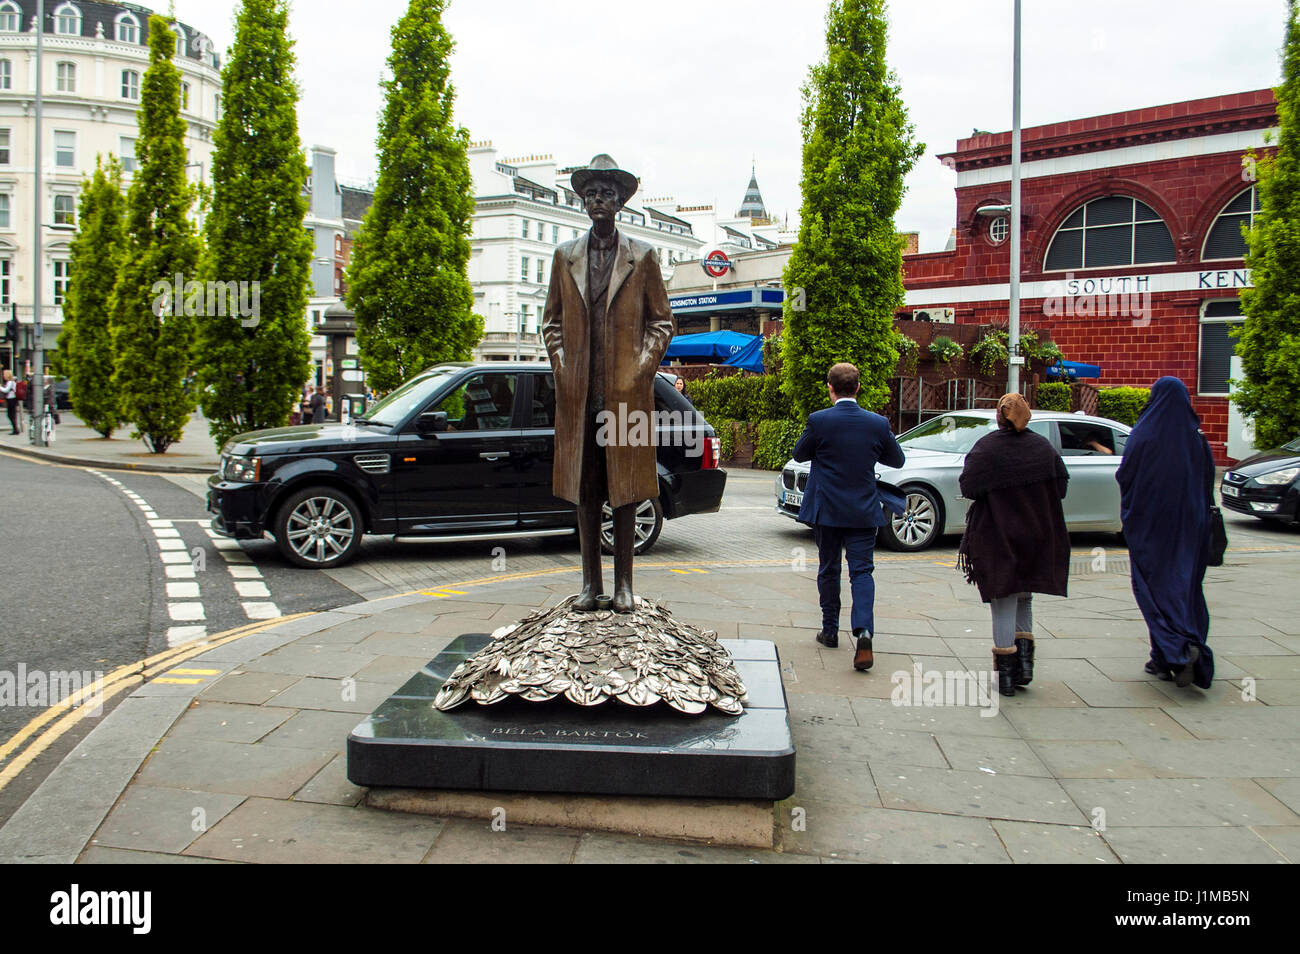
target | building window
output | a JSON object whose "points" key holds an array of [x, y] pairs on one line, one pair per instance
{"points": [[575, 233], [4, 210], [65, 77], [555, 235], [1114, 230], [6, 74], [185, 96], [4, 146], [62, 273], [1218, 318], [65, 149], [126, 151], [216, 105], [541, 231], [1225, 239], [999, 229], [523, 319], [523, 231], [6, 269], [523, 268], [65, 210], [127, 29], [130, 84], [67, 20], [182, 47], [10, 18], [541, 271]]}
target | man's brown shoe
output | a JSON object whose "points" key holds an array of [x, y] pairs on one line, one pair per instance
{"points": [[863, 658]]}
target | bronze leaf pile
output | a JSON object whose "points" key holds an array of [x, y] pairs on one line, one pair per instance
{"points": [[638, 658]]}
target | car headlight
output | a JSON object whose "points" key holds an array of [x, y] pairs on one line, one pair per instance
{"points": [[1278, 477], [243, 470]]}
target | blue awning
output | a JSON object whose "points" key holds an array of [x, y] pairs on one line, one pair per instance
{"points": [[1074, 369], [710, 345], [748, 358]]}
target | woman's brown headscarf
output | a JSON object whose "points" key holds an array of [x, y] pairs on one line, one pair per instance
{"points": [[1013, 411]]}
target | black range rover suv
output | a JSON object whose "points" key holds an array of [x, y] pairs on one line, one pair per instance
{"points": [[460, 451]]}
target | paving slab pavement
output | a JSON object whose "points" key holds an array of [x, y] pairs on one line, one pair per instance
{"points": [[1095, 763]]}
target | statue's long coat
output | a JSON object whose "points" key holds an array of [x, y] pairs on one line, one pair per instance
{"points": [[638, 326]]}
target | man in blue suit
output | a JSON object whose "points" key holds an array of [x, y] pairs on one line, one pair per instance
{"points": [[843, 505]]}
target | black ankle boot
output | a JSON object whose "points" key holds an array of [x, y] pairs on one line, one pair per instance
{"points": [[1025, 650], [1008, 668]]}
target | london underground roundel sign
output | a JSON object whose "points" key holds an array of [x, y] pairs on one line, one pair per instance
{"points": [[716, 263]]}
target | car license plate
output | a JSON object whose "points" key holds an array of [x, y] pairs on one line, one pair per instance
{"points": [[793, 498], [1230, 491]]}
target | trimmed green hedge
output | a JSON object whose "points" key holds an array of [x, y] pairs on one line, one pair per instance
{"points": [[740, 397], [1122, 404], [1053, 396], [775, 442]]}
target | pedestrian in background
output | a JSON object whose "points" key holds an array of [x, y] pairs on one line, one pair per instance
{"points": [[1166, 483], [9, 391], [317, 405], [305, 404], [1015, 544], [680, 384], [844, 506]]}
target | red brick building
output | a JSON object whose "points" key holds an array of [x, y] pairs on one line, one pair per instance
{"points": [[1131, 245]]}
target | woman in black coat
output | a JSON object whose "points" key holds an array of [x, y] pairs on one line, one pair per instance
{"points": [[1015, 542]]}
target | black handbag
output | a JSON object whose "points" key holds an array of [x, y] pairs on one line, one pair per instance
{"points": [[1218, 542]]}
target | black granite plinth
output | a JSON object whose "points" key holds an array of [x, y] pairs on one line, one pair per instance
{"points": [[556, 746]]}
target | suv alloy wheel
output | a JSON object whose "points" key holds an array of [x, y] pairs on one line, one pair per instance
{"points": [[645, 528], [319, 527]]}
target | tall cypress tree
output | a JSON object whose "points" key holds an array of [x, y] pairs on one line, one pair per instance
{"points": [[1270, 338], [86, 341], [844, 279], [251, 367], [152, 335], [408, 283]]}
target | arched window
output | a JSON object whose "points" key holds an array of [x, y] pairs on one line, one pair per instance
{"points": [[67, 20], [65, 77], [127, 28], [10, 17], [1224, 239], [182, 45], [1113, 230]]}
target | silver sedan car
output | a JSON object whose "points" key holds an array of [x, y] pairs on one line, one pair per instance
{"points": [[936, 452]]}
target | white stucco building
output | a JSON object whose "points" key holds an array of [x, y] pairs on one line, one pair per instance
{"points": [[525, 207], [94, 56]]}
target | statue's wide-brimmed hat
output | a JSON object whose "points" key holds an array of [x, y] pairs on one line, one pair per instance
{"points": [[604, 167]]}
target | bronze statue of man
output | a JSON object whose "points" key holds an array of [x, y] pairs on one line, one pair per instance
{"points": [[607, 325]]}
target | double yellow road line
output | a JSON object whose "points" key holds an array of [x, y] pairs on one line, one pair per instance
{"points": [[89, 700]]}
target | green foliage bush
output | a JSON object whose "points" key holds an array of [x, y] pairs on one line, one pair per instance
{"points": [[740, 397], [945, 349], [774, 443], [726, 431], [909, 352], [990, 352], [1122, 404], [1053, 396]]}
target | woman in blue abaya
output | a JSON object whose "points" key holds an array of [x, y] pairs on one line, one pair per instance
{"points": [[1166, 481]]}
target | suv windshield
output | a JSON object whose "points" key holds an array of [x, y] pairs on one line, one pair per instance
{"points": [[414, 393], [950, 434]]}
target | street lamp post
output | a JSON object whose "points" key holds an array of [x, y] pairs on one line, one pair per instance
{"points": [[38, 269], [1015, 359]]}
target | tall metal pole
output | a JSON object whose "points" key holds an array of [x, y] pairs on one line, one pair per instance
{"points": [[38, 270], [1013, 299]]}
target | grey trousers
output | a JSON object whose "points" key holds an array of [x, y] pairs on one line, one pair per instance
{"points": [[1011, 615]]}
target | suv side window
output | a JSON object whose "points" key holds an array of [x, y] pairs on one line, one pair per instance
{"points": [[1081, 439], [484, 402], [543, 410]]}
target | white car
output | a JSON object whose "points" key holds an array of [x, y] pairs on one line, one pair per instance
{"points": [[1091, 447]]}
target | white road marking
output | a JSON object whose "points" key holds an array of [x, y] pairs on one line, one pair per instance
{"points": [[245, 572], [261, 610], [177, 571], [174, 556], [182, 590], [185, 634], [171, 544], [186, 611], [163, 532], [251, 588]]}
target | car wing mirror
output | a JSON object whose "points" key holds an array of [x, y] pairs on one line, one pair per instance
{"points": [[431, 422]]}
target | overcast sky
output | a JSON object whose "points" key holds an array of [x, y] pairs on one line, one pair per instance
{"points": [[688, 93]]}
